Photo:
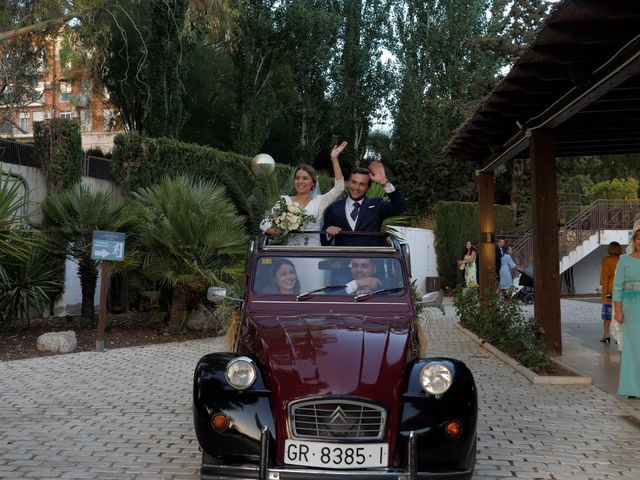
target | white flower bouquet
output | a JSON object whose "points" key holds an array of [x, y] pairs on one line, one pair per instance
{"points": [[288, 218]]}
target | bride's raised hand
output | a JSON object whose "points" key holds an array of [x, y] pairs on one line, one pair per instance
{"points": [[337, 150]]}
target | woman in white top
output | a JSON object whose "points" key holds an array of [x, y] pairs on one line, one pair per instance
{"points": [[308, 196]]}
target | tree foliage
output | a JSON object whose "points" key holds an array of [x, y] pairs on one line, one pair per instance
{"points": [[361, 79], [616, 189], [145, 56], [192, 237], [69, 218]]}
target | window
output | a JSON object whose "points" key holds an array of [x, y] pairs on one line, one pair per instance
{"points": [[109, 118], [66, 115], [38, 116], [330, 276], [86, 120], [24, 122], [65, 91]]}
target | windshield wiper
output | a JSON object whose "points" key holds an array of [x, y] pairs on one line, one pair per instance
{"points": [[376, 292], [302, 296]]}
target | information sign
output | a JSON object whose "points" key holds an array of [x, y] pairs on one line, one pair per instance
{"points": [[107, 246]]}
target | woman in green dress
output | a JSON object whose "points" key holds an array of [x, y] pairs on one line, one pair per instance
{"points": [[626, 305]]}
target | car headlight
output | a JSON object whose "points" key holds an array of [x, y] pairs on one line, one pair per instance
{"points": [[435, 378], [241, 373]]}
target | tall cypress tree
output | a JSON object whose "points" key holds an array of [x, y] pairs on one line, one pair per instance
{"points": [[361, 79]]}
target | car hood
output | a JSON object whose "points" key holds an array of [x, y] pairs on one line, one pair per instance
{"points": [[333, 355]]}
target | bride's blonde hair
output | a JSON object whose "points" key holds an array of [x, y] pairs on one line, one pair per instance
{"points": [[633, 248]]}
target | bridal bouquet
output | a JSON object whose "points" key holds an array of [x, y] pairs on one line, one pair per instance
{"points": [[289, 218]]}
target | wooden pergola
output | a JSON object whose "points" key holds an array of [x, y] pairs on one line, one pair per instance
{"points": [[574, 92]]}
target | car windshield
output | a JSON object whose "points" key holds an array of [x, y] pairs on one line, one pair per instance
{"points": [[306, 277]]}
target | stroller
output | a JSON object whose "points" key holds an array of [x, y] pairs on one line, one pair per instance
{"points": [[524, 286]]}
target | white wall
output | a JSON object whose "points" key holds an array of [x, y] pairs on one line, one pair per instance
{"points": [[423, 255], [71, 299], [586, 272]]}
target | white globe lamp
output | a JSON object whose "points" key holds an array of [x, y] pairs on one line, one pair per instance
{"points": [[263, 163]]}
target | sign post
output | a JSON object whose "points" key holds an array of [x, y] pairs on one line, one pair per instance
{"points": [[106, 247]]}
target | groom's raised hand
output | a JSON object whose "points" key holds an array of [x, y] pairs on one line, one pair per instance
{"points": [[376, 172]]}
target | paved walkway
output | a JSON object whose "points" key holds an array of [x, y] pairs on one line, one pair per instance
{"points": [[126, 414]]}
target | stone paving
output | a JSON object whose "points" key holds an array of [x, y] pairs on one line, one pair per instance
{"points": [[126, 414]]}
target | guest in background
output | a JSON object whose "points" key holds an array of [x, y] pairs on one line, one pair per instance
{"points": [[609, 264], [506, 266], [626, 311], [468, 264], [499, 253]]}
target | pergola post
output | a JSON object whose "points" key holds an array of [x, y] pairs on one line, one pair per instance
{"points": [[487, 225], [546, 262]]}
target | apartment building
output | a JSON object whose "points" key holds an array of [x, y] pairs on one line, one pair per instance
{"points": [[61, 97]]}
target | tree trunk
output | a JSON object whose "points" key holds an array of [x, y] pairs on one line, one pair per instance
{"points": [[88, 274], [178, 307]]}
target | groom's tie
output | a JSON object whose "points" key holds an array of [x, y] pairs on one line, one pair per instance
{"points": [[354, 212]]}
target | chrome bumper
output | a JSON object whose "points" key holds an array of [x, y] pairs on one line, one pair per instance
{"points": [[264, 472]]}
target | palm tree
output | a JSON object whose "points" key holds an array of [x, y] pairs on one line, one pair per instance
{"points": [[191, 236], [69, 219], [31, 283], [12, 242], [252, 195]]}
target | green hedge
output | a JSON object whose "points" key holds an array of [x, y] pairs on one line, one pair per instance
{"points": [[457, 222], [58, 145], [140, 161]]}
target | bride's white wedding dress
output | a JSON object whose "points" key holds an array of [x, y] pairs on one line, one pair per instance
{"points": [[316, 207]]}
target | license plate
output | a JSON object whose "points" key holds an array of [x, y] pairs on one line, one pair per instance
{"points": [[336, 455]]}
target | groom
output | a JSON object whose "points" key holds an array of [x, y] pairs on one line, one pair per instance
{"points": [[358, 213]]}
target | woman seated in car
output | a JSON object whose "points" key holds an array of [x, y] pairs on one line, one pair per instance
{"points": [[283, 279]]}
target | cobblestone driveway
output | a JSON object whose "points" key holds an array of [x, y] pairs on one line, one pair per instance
{"points": [[126, 414]]}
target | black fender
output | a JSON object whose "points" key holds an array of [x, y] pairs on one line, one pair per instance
{"points": [[427, 415], [248, 410]]}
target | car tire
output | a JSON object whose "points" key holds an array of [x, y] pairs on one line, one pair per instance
{"points": [[528, 299]]}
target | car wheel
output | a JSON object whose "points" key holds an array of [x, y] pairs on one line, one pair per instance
{"points": [[528, 299]]}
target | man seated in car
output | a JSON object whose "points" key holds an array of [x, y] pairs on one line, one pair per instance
{"points": [[365, 280]]}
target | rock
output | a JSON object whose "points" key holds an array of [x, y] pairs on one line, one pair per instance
{"points": [[197, 319], [61, 342]]}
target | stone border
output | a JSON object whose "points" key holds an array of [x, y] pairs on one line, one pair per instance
{"points": [[530, 375]]}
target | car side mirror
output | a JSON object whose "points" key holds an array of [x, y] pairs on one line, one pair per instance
{"points": [[218, 294], [432, 299]]}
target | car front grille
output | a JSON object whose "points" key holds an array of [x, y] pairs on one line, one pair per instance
{"points": [[337, 419]]}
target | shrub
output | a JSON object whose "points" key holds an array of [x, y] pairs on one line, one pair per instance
{"points": [[616, 189], [59, 146], [500, 322]]}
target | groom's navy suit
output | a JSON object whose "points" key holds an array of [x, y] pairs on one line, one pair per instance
{"points": [[373, 211]]}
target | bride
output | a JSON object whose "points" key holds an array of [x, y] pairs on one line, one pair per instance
{"points": [[308, 196]]}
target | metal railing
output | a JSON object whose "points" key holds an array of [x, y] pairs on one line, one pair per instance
{"points": [[22, 154], [600, 215]]}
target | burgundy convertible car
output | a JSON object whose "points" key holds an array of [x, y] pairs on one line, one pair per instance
{"points": [[327, 377]]}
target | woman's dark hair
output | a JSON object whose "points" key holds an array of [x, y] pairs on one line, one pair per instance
{"points": [[310, 170], [614, 248], [272, 286], [465, 251]]}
